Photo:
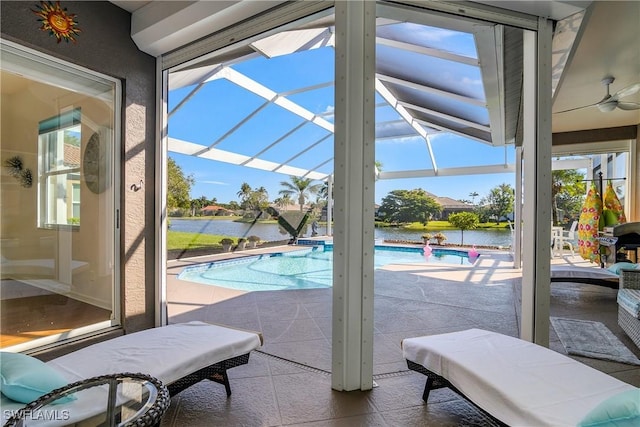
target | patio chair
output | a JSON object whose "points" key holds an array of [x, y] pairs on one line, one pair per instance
{"points": [[563, 238], [569, 236], [519, 383], [178, 355], [587, 275]]}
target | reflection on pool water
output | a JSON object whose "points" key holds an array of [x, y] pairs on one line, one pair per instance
{"points": [[305, 269]]}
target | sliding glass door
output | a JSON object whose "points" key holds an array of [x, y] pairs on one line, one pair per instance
{"points": [[57, 199]]}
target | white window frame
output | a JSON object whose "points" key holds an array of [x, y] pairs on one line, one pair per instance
{"points": [[54, 210]]}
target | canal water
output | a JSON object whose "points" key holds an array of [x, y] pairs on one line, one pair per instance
{"points": [[270, 232]]}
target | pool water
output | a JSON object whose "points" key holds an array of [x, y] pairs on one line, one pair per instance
{"points": [[305, 269]]}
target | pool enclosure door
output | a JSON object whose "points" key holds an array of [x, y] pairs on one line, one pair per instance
{"points": [[351, 124]]}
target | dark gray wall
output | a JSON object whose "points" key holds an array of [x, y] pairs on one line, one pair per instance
{"points": [[105, 45]]}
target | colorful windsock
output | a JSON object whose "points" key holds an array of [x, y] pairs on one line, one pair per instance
{"points": [[612, 203], [588, 224]]}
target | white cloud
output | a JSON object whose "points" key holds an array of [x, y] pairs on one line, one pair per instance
{"points": [[468, 81], [329, 109], [213, 182], [431, 33], [401, 140]]}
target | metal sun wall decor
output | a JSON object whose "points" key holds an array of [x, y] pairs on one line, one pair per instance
{"points": [[57, 21]]}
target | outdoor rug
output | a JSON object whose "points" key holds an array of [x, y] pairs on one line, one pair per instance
{"points": [[592, 339]]}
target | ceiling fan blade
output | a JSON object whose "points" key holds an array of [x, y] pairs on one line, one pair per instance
{"points": [[629, 105], [574, 109], [629, 90]]}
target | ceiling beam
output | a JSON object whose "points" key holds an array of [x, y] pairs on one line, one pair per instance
{"points": [[189, 148], [461, 171], [271, 96], [490, 47]]}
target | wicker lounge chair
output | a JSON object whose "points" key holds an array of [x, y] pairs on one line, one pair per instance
{"points": [[629, 304], [178, 355], [516, 382]]}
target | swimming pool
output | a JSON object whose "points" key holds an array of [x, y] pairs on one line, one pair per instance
{"points": [[305, 269]]}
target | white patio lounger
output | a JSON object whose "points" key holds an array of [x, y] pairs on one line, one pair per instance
{"points": [[46, 267], [179, 355], [516, 382], [587, 275]]}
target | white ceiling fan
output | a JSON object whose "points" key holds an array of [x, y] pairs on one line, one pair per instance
{"points": [[611, 102]]}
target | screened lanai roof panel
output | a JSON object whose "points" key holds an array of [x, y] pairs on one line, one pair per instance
{"points": [[300, 140], [428, 71], [432, 78], [318, 101], [313, 156], [455, 42], [395, 129], [259, 130], [301, 69], [205, 122], [436, 102], [461, 129], [288, 42]]}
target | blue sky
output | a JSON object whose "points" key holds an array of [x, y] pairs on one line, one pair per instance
{"points": [[210, 116]]}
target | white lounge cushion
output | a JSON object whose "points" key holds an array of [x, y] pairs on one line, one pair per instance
{"points": [[166, 353], [520, 383], [573, 272], [629, 299]]}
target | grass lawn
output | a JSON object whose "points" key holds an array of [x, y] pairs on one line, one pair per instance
{"points": [[183, 240]]}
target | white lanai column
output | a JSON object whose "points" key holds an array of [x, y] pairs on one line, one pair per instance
{"points": [[330, 205], [354, 165], [517, 217], [536, 242]]}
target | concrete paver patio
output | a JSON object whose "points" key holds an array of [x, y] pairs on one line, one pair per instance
{"points": [[287, 382]]}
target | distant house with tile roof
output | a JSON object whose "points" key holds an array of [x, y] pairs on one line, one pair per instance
{"points": [[214, 210], [450, 206], [71, 155]]}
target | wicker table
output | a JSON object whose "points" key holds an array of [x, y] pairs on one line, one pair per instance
{"points": [[124, 399]]}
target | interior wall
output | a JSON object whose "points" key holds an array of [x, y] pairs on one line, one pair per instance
{"points": [[105, 45]]}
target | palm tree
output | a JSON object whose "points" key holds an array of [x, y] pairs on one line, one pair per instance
{"points": [[301, 188], [473, 196], [245, 193], [283, 202]]}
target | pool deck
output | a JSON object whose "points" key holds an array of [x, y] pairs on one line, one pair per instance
{"points": [[287, 382]]}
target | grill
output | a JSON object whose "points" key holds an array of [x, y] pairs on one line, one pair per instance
{"points": [[620, 243]]}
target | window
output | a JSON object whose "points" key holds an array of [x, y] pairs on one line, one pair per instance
{"points": [[59, 170]]}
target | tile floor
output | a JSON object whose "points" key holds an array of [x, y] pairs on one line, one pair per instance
{"points": [[288, 382]]}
